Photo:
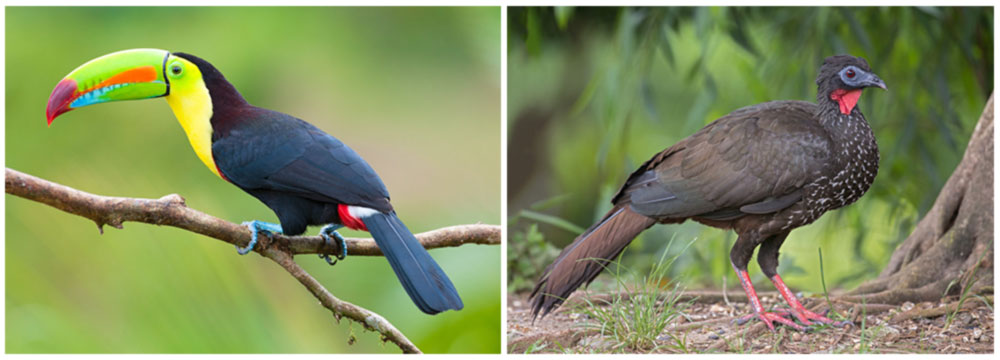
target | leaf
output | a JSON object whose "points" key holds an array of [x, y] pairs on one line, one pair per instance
{"points": [[698, 111], [533, 41], [586, 96], [930, 10], [550, 202], [664, 45], [648, 102], [552, 220], [563, 13], [702, 21], [858, 30], [737, 31]]}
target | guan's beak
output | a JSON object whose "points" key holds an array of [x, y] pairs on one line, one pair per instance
{"points": [[874, 81], [124, 75]]}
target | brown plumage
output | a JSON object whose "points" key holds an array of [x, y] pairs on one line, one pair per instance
{"points": [[761, 170]]}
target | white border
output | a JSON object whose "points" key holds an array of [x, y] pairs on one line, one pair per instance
{"points": [[502, 128]]}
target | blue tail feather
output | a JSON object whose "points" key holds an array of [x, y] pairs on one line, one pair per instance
{"points": [[425, 282]]}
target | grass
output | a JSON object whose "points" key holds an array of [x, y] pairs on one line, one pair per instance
{"points": [[864, 345], [822, 279], [541, 346], [780, 335], [635, 322], [681, 343], [739, 344], [985, 301], [535, 347]]}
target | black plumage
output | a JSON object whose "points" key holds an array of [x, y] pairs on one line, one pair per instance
{"points": [[304, 175]]}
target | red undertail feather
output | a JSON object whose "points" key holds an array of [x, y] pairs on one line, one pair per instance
{"points": [[350, 221]]}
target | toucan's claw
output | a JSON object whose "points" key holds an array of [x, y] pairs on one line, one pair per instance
{"points": [[255, 228], [331, 230]]}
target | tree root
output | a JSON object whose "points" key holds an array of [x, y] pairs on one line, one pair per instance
{"points": [[868, 309], [699, 324], [936, 311], [953, 240], [748, 332], [929, 292]]}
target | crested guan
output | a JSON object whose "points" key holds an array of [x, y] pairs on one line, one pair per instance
{"points": [[761, 170]]}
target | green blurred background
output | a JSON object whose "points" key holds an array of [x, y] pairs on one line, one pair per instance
{"points": [[594, 92], [415, 91]]}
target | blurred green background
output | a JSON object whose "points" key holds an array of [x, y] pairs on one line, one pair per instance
{"points": [[594, 92], [415, 91]]}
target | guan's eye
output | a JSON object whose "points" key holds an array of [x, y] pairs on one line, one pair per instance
{"points": [[849, 73]]}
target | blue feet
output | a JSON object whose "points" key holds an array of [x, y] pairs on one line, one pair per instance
{"points": [[331, 230], [255, 228]]}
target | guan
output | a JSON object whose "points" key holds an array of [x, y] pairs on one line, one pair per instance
{"points": [[762, 170], [306, 176]]}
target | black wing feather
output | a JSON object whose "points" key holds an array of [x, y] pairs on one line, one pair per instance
{"points": [[269, 150]]}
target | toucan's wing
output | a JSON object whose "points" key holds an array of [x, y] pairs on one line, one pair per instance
{"points": [[274, 151]]}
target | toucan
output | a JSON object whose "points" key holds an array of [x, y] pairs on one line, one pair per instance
{"points": [[306, 176]]}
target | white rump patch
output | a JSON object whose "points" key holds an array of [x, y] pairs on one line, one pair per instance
{"points": [[361, 212]]}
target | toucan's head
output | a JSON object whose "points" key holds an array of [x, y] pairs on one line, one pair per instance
{"points": [[194, 89], [124, 75]]}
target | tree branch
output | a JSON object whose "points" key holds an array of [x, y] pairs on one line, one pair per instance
{"points": [[170, 210]]}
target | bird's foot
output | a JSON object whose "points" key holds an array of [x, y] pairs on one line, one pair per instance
{"points": [[331, 231], [800, 312], [809, 318], [257, 227], [769, 317]]}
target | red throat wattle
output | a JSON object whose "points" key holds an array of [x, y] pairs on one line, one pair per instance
{"points": [[846, 98]]}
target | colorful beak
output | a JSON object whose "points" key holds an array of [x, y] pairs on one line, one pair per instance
{"points": [[123, 75]]}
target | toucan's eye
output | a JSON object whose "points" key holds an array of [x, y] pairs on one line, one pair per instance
{"points": [[849, 73], [175, 69]]}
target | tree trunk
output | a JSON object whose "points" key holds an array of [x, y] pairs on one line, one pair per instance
{"points": [[953, 244]]}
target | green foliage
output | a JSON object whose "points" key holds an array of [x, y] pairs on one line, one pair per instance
{"points": [[527, 254], [527, 251], [600, 90], [404, 87]]}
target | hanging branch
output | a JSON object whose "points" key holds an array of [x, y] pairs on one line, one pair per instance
{"points": [[170, 210]]}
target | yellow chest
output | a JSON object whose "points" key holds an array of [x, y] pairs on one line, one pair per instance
{"points": [[194, 111]]}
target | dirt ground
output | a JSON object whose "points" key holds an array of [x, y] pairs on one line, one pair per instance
{"points": [[706, 327]]}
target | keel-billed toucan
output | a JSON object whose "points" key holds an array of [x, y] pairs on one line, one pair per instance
{"points": [[304, 175]]}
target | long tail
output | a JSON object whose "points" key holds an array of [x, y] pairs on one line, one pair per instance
{"points": [[576, 265], [425, 282]]}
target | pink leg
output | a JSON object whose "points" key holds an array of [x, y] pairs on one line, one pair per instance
{"points": [[758, 310], [798, 310]]}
